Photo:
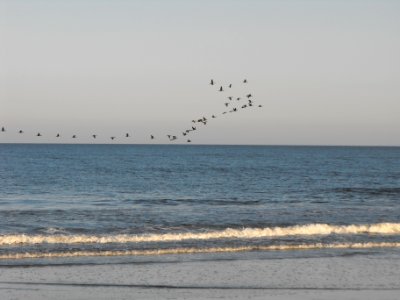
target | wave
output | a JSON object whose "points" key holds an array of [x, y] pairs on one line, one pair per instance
{"points": [[229, 233], [384, 191], [82, 253]]}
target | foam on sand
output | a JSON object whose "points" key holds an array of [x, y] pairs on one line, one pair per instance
{"points": [[81, 253]]}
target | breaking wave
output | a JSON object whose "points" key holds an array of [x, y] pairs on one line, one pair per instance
{"points": [[82, 253], [244, 233]]}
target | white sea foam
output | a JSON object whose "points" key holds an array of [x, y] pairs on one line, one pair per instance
{"points": [[82, 253], [244, 233]]}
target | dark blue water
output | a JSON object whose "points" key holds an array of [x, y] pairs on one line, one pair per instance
{"points": [[136, 190]]}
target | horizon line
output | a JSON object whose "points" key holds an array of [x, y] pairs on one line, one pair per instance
{"points": [[194, 144]]}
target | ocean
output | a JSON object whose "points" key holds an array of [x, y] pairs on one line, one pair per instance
{"points": [[86, 203]]}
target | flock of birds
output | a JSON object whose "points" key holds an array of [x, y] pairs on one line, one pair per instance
{"points": [[232, 105]]}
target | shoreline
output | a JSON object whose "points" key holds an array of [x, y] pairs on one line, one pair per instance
{"points": [[350, 277]]}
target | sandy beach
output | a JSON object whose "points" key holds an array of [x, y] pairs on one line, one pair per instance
{"points": [[352, 277]]}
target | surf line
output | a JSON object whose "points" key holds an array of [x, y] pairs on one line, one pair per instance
{"points": [[155, 252]]}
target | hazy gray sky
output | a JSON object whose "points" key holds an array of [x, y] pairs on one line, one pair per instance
{"points": [[327, 72]]}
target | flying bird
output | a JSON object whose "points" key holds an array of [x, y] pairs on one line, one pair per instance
{"points": [[171, 137], [230, 85], [74, 136], [38, 134], [151, 136], [3, 129], [221, 89], [127, 135], [94, 136], [245, 81], [248, 96], [230, 98], [112, 138], [20, 131], [58, 135], [189, 141], [212, 82]]}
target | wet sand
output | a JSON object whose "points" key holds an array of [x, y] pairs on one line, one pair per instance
{"points": [[352, 277]]}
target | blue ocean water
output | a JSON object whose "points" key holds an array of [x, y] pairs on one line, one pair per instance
{"points": [[86, 200]]}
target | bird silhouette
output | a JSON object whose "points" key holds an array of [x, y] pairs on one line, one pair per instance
{"points": [[151, 136], [58, 135], [94, 135], [238, 98], [212, 82], [260, 105], [112, 138], [193, 128], [189, 141], [226, 104], [230, 85], [245, 81], [127, 135], [213, 116], [248, 95], [221, 89], [230, 98], [74, 136], [171, 137], [38, 134], [3, 129], [20, 131]]}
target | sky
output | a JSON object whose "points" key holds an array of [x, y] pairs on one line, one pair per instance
{"points": [[326, 72]]}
